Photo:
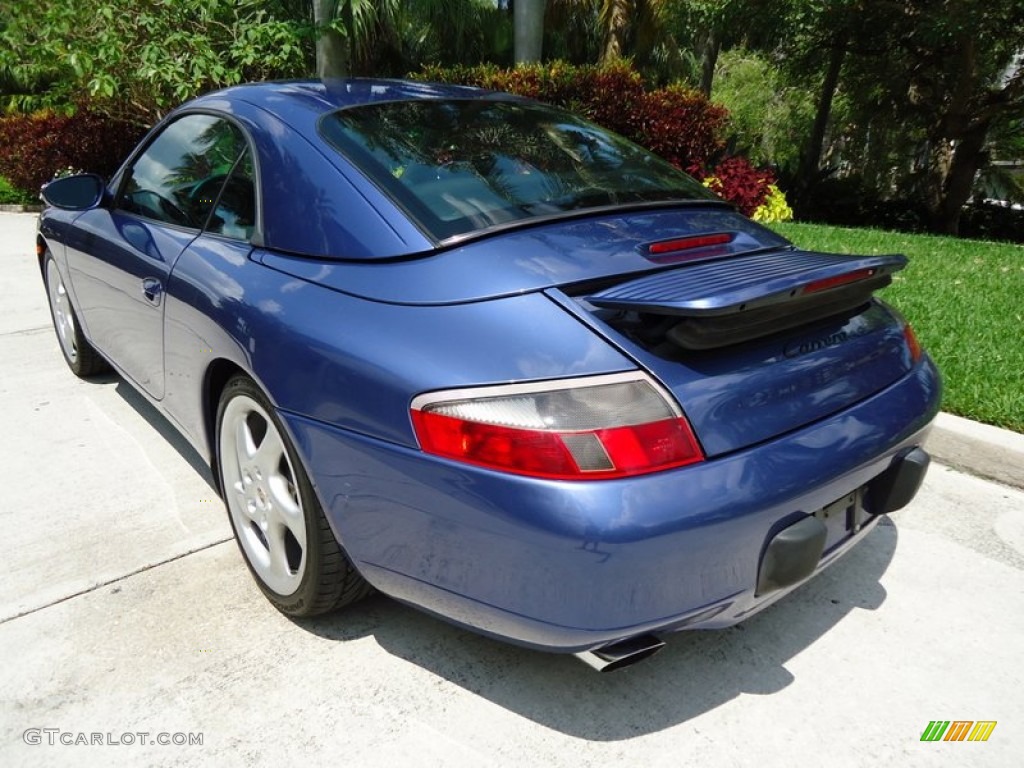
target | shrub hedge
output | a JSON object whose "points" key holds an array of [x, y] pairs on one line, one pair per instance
{"points": [[849, 202], [677, 123], [35, 147]]}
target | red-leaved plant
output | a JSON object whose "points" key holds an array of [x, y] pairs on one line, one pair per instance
{"points": [[739, 182], [34, 147]]}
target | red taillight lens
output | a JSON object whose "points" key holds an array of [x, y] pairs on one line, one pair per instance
{"points": [[912, 343], [838, 280], [687, 243], [600, 427]]}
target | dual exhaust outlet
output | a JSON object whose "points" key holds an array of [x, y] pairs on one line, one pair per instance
{"points": [[621, 654]]}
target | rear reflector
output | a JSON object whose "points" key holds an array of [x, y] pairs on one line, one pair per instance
{"points": [[582, 429]]}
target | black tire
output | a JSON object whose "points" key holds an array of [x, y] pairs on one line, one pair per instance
{"points": [[83, 360], [313, 577]]}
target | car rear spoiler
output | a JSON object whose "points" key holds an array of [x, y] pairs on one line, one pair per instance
{"points": [[731, 300]]}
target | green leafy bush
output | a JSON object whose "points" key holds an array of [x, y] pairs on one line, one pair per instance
{"points": [[10, 195], [34, 148], [137, 60], [849, 202], [992, 221]]}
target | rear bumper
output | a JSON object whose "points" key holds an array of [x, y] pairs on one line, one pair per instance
{"points": [[795, 553], [569, 566]]}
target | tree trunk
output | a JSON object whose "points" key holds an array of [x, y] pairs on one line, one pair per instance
{"points": [[615, 20], [332, 53], [951, 172], [709, 59], [957, 148], [528, 30], [811, 158]]}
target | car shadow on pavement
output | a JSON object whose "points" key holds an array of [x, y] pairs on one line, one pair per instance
{"points": [[160, 423], [696, 671]]}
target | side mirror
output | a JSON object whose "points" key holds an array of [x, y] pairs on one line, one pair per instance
{"points": [[75, 193]]}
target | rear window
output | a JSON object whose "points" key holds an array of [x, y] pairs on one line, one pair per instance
{"points": [[462, 166]]}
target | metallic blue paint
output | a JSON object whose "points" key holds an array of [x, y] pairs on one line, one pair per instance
{"points": [[569, 565], [119, 265], [531, 259], [357, 364], [747, 393], [343, 311]]}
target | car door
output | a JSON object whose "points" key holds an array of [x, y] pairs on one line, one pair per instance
{"points": [[120, 255]]}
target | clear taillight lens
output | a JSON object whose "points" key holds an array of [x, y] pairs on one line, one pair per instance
{"points": [[591, 428]]}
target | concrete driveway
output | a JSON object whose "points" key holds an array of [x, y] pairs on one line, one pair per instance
{"points": [[127, 617]]}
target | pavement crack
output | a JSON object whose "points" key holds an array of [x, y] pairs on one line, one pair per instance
{"points": [[28, 331], [115, 580]]}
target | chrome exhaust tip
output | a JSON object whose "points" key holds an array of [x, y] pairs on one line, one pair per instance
{"points": [[621, 654]]}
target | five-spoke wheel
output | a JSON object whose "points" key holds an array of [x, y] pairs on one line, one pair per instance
{"points": [[277, 519], [264, 504], [81, 358]]}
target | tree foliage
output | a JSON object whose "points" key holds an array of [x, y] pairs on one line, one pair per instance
{"points": [[913, 97], [137, 59], [770, 112], [707, 27], [961, 71], [927, 89]]}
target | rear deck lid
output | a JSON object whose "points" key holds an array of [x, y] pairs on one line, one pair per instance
{"points": [[757, 345], [610, 247]]}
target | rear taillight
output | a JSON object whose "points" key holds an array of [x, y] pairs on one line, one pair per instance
{"points": [[912, 343], [580, 429], [909, 337]]}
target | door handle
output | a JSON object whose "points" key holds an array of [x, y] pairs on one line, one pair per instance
{"points": [[153, 290]]}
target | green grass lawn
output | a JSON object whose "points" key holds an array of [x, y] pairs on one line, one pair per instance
{"points": [[965, 299]]}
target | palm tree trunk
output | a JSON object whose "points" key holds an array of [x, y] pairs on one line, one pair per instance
{"points": [[528, 30], [615, 21], [332, 54]]}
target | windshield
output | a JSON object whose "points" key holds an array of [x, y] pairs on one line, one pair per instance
{"points": [[461, 166]]}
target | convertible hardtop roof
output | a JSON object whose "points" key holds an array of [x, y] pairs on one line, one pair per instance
{"points": [[360, 226], [328, 95], [362, 211]]}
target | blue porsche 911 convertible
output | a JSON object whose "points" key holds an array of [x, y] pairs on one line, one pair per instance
{"points": [[489, 359]]}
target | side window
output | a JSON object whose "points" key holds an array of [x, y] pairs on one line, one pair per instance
{"points": [[179, 176], [234, 213]]}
